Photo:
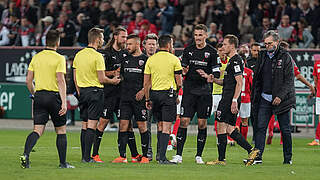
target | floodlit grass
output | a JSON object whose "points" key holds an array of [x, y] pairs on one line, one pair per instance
{"points": [[44, 161]]}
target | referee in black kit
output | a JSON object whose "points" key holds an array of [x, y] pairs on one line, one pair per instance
{"points": [[163, 76], [47, 69], [89, 77]]}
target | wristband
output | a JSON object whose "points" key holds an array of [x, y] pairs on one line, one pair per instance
{"points": [[147, 100], [234, 100]]}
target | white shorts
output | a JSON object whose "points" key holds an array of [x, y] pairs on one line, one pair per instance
{"points": [[317, 105], [215, 102], [245, 109], [179, 105]]}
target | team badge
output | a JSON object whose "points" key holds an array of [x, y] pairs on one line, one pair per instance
{"points": [[144, 112], [141, 62], [206, 54], [279, 62]]}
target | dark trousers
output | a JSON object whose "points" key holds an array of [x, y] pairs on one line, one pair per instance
{"points": [[264, 115]]}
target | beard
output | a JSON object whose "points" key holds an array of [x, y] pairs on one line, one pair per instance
{"points": [[121, 45]]}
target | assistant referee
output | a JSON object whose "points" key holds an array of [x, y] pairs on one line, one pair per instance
{"points": [[89, 77], [163, 75], [47, 69]]}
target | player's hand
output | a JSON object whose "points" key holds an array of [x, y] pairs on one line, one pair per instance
{"points": [[185, 70], [63, 109], [149, 105], [276, 101], [140, 95], [237, 127], [115, 80], [313, 91], [177, 100], [234, 107]]}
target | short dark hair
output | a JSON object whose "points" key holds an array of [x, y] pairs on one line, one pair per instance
{"points": [[94, 34], [232, 40], [133, 36], [52, 38], [164, 40], [255, 44], [201, 27], [219, 45]]}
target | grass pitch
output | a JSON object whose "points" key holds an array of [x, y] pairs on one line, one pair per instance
{"points": [[44, 161]]}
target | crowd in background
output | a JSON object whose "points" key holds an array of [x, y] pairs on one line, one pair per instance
{"points": [[26, 22]]}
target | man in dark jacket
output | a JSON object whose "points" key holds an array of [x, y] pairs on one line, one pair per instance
{"points": [[273, 93], [67, 30]]}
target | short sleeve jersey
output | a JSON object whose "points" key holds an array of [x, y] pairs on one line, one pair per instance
{"points": [[87, 62], [45, 65], [132, 72], [205, 59], [234, 68], [113, 61], [162, 67]]}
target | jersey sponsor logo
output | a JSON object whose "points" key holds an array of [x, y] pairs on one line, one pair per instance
{"points": [[199, 63], [206, 54], [237, 68], [133, 70], [141, 62]]}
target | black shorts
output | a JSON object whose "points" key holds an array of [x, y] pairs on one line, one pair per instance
{"points": [[47, 103], [164, 107], [110, 106], [200, 104], [224, 113], [130, 108], [91, 103]]}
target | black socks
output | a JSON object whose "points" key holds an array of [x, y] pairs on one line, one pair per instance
{"points": [[61, 143], [97, 142], [181, 139], [222, 146], [30, 142], [201, 141], [240, 140]]}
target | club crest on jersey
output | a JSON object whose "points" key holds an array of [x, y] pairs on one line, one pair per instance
{"points": [[141, 62], [206, 54], [279, 62], [144, 112]]}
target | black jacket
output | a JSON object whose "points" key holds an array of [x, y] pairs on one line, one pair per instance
{"points": [[282, 81]]}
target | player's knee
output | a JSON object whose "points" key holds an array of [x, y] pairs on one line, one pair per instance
{"points": [[184, 123], [202, 124]]}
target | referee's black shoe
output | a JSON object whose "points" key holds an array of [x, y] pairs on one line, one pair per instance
{"points": [[65, 165], [167, 162], [25, 163]]}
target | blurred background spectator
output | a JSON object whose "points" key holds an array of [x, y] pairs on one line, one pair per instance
{"points": [[247, 19]]}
